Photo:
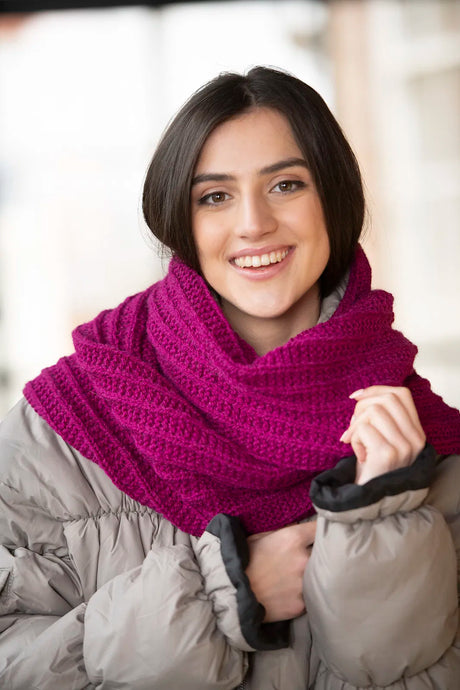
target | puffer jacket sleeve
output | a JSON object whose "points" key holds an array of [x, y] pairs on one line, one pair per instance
{"points": [[154, 627], [201, 612], [381, 585], [167, 620], [41, 602]]}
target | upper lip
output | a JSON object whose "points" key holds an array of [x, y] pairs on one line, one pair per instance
{"points": [[255, 251]]}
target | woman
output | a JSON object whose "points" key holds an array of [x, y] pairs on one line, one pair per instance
{"points": [[158, 509]]}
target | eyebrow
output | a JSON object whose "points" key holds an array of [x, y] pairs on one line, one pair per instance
{"points": [[270, 169]]}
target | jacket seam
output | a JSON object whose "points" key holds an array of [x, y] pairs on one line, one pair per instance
{"points": [[89, 516], [103, 513]]}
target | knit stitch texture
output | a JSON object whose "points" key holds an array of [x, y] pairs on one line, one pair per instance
{"points": [[187, 419]]}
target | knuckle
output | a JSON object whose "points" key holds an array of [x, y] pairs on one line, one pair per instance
{"points": [[391, 396], [406, 450], [405, 396], [421, 436], [390, 455], [420, 445], [377, 410]]}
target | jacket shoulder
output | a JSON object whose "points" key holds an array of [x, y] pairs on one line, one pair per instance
{"points": [[39, 467]]}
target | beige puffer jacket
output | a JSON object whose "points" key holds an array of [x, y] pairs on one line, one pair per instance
{"points": [[97, 591]]}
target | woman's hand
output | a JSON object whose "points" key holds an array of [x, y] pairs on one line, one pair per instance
{"points": [[385, 431], [277, 563]]}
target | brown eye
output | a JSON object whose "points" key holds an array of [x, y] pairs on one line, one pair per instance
{"points": [[217, 197], [214, 198], [287, 186]]}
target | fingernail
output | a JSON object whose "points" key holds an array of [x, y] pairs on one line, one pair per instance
{"points": [[357, 393], [342, 437]]}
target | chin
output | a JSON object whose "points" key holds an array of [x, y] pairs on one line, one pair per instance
{"points": [[268, 312]]}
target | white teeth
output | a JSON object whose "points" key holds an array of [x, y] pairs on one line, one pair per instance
{"points": [[262, 260]]}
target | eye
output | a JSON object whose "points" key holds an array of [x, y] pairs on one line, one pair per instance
{"points": [[214, 198], [286, 186]]}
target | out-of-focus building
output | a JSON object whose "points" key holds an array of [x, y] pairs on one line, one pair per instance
{"points": [[397, 90]]}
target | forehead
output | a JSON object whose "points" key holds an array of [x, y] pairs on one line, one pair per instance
{"points": [[253, 140]]}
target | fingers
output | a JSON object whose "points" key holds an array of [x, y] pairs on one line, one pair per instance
{"points": [[393, 422], [398, 399], [376, 453], [301, 534], [374, 456], [385, 429], [277, 562], [392, 412]]}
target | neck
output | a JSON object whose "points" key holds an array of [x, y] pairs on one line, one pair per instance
{"points": [[266, 334]]}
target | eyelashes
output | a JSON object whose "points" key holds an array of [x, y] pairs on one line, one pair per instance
{"points": [[286, 186], [219, 197], [213, 199]]}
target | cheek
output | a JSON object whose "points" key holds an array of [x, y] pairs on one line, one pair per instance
{"points": [[199, 237], [323, 239], [208, 237], [319, 232], [209, 250], [306, 217], [323, 253]]}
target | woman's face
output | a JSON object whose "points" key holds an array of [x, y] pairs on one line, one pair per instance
{"points": [[258, 225]]}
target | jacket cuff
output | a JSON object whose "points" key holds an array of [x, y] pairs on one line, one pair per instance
{"points": [[335, 490], [235, 555]]}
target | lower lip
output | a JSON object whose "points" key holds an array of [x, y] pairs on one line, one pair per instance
{"points": [[264, 272]]}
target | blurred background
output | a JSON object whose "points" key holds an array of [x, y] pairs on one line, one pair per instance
{"points": [[85, 94]]}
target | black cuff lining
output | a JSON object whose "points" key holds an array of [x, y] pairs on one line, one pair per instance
{"points": [[335, 489], [235, 554]]}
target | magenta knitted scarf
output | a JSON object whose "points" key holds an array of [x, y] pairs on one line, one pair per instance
{"points": [[186, 418]]}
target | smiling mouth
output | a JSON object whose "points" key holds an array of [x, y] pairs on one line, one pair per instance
{"points": [[259, 261]]}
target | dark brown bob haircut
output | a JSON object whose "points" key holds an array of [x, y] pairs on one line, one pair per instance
{"points": [[167, 188]]}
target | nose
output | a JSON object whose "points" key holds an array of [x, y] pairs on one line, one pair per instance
{"points": [[255, 217]]}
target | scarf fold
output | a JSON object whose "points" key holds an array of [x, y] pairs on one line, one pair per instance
{"points": [[187, 419]]}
